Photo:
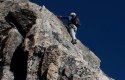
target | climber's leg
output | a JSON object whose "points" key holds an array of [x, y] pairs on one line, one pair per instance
{"points": [[73, 30]]}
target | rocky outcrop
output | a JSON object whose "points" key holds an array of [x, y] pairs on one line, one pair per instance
{"points": [[35, 45]]}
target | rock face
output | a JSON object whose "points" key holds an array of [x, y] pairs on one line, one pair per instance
{"points": [[35, 45]]}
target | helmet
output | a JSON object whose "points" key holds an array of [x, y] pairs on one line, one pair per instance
{"points": [[72, 14]]}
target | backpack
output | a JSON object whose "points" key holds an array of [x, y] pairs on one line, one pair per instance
{"points": [[75, 21]]}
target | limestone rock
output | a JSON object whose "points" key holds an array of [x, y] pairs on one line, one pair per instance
{"points": [[35, 45]]}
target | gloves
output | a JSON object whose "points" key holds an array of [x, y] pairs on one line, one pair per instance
{"points": [[59, 17]]}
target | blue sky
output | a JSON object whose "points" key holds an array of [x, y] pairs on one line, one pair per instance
{"points": [[102, 30]]}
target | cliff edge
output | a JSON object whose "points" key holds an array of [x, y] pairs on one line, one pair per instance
{"points": [[35, 45]]}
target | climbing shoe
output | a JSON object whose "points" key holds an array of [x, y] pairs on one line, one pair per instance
{"points": [[74, 41]]}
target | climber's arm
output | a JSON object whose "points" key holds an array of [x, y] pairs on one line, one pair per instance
{"points": [[63, 17]]}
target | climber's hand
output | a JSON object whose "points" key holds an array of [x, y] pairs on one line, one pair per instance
{"points": [[59, 17]]}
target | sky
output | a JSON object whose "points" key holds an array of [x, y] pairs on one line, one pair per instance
{"points": [[102, 29]]}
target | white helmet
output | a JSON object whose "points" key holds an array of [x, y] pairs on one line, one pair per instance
{"points": [[72, 14]]}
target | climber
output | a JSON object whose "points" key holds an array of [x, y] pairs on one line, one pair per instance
{"points": [[73, 23]]}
